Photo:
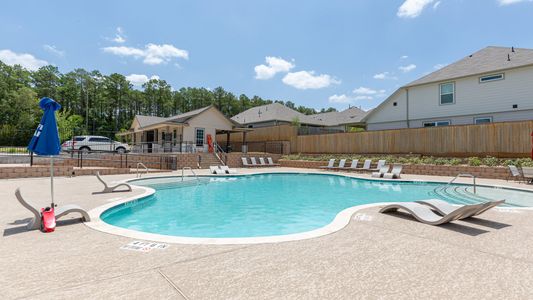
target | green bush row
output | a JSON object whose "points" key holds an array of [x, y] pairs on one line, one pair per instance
{"points": [[426, 160]]}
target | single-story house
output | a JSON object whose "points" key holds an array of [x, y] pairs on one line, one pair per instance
{"points": [[279, 114], [494, 84], [187, 132]]}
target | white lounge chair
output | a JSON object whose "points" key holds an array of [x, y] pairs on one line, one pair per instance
{"points": [[262, 162], [341, 165], [515, 174], [330, 164], [353, 165], [227, 170], [245, 162], [381, 172], [380, 164], [395, 172], [366, 165], [254, 162], [271, 162], [216, 170], [111, 189], [425, 215], [444, 208], [35, 222]]}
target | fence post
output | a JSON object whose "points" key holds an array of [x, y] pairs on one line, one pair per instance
{"points": [[31, 159]]}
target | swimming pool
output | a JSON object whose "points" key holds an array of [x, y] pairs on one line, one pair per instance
{"points": [[274, 204]]}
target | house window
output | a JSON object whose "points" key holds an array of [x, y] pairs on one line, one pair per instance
{"points": [[493, 77], [447, 93], [200, 133], [482, 120], [436, 123]]}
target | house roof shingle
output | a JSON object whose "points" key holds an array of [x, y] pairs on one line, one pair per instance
{"points": [[280, 112], [486, 60]]}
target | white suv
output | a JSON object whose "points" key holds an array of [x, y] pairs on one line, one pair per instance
{"points": [[88, 143]]}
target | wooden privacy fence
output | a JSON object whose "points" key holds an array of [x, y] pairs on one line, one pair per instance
{"points": [[509, 139]]}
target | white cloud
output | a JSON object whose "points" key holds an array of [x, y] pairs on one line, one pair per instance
{"points": [[438, 66], [384, 76], [408, 68], [436, 5], [139, 79], [404, 57], [361, 97], [508, 2], [152, 54], [119, 36], [367, 91], [53, 49], [26, 60], [340, 99], [273, 65], [308, 80], [412, 8]]}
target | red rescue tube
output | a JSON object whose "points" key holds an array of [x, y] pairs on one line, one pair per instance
{"points": [[48, 219]]}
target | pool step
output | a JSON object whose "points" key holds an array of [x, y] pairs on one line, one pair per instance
{"points": [[459, 194]]}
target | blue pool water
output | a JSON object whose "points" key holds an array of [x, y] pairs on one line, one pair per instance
{"points": [[274, 204]]}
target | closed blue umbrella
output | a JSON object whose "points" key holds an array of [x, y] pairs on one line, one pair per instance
{"points": [[45, 140]]}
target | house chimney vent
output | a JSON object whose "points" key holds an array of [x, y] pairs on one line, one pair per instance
{"points": [[512, 49], [508, 57]]}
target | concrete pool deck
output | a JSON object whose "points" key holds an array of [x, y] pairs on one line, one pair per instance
{"points": [[374, 256]]}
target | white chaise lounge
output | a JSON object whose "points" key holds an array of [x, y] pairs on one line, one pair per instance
{"points": [[35, 222], [111, 189], [271, 162], [330, 164], [227, 170], [216, 170], [443, 208], [381, 172], [395, 172], [425, 215]]}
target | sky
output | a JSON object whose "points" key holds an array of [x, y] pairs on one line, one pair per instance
{"points": [[313, 53]]}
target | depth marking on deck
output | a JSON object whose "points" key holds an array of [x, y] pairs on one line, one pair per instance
{"points": [[143, 246]]}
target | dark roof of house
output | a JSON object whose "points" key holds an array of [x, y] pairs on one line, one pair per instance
{"points": [[268, 112], [486, 60], [280, 112]]}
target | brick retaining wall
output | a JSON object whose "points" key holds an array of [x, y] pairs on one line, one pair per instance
{"points": [[44, 171], [433, 170]]}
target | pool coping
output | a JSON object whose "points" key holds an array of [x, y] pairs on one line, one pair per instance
{"points": [[341, 220]]}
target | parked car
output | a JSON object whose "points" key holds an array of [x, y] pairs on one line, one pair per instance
{"points": [[89, 143]]}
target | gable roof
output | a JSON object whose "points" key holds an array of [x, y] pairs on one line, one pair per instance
{"points": [[146, 121], [351, 115], [182, 118], [265, 113], [489, 59], [280, 112]]}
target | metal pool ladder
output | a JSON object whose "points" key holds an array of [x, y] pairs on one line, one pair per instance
{"points": [[188, 168], [140, 164], [465, 175]]}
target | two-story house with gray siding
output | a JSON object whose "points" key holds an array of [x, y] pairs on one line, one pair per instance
{"points": [[494, 84]]}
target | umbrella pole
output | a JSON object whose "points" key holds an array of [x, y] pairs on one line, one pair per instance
{"points": [[52, 180]]}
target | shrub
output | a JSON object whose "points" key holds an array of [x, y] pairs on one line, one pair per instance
{"points": [[491, 161], [474, 161], [455, 161]]}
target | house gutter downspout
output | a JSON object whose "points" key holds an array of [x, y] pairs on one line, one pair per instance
{"points": [[407, 107]]}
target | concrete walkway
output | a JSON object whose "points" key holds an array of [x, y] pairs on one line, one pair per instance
{"points": [[375, 256]]}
